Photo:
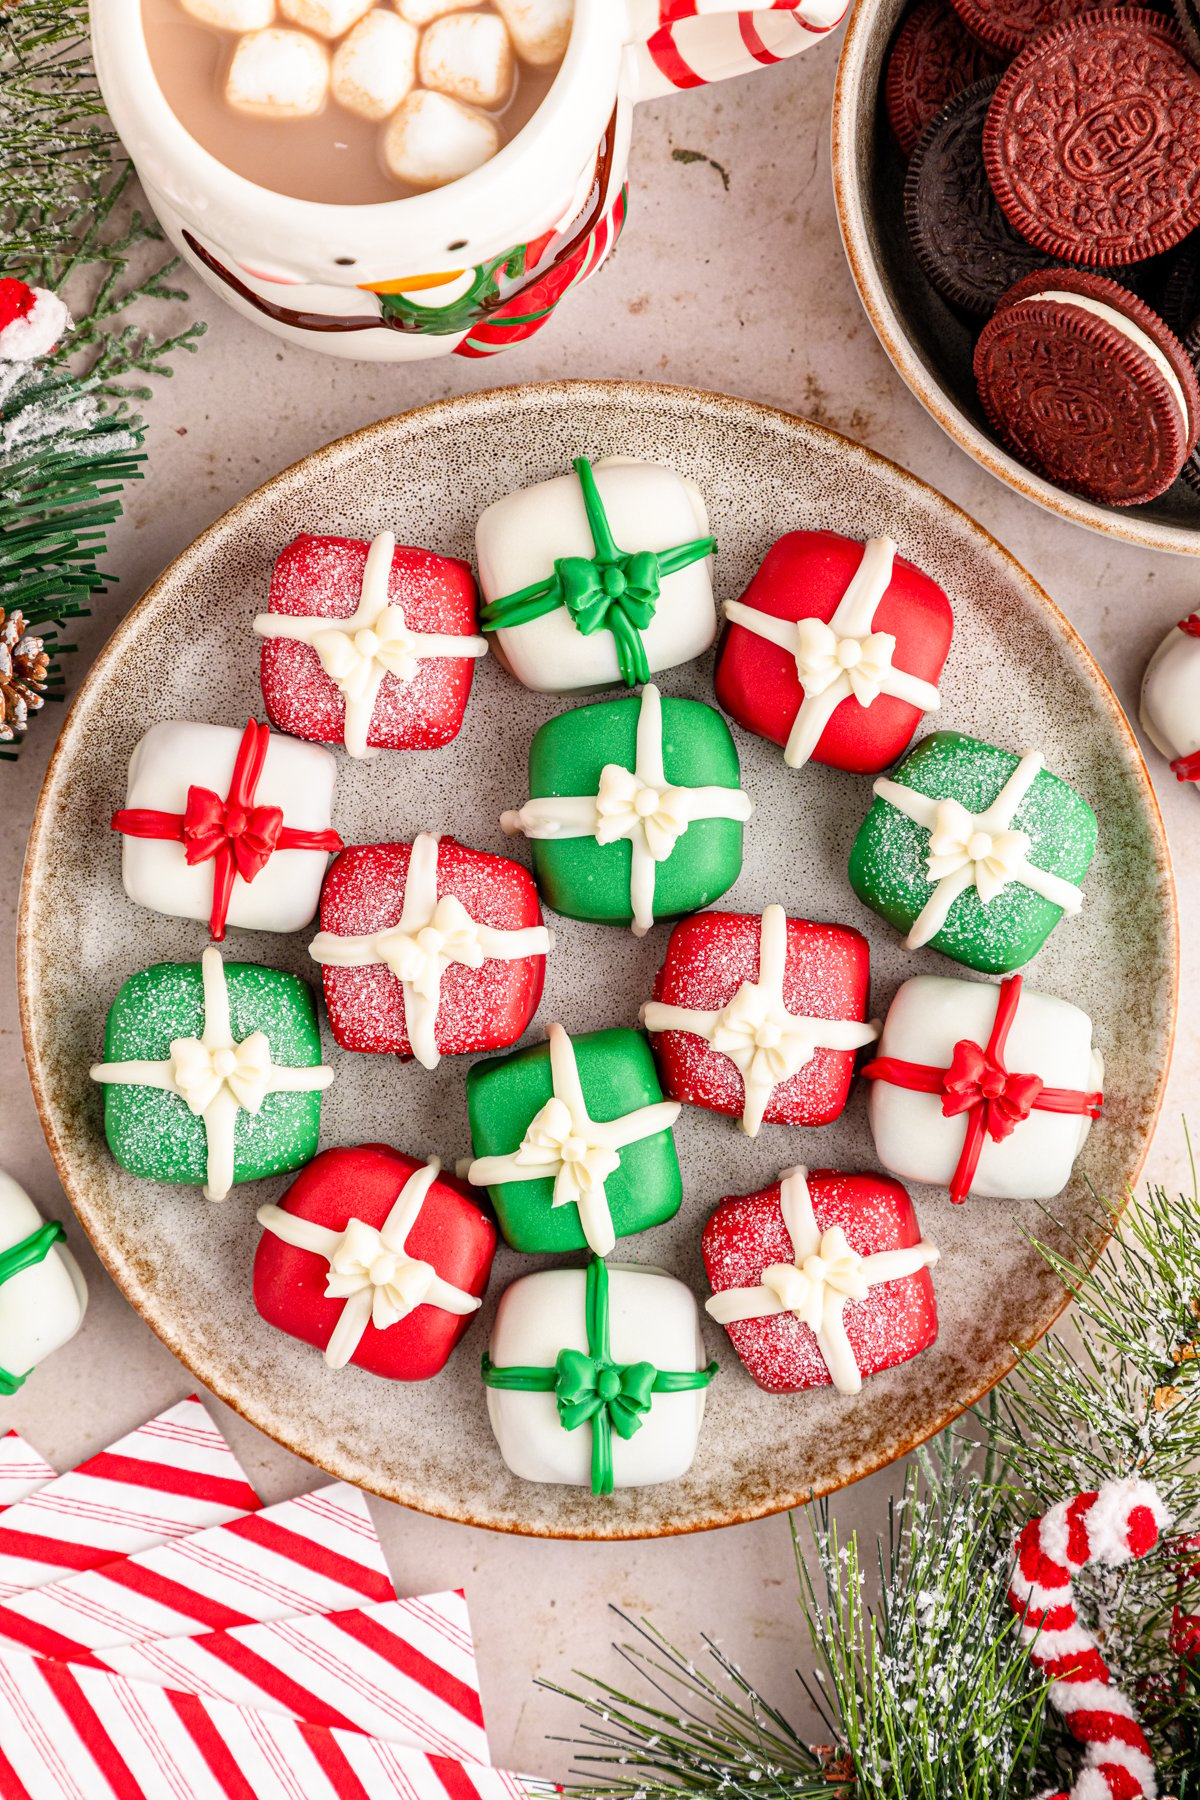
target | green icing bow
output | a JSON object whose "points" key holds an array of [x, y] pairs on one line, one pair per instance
{"points": [[26, 1255], [589, 1388], [613, 590]]}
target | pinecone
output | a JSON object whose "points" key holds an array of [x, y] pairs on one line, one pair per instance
{"points": [[24, 663]]}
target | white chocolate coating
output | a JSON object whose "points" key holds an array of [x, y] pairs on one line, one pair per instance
{"points": [[468, 56], [433, 140], [1049, 1037], [1170, 705], [42, 1307], [277, 74], [375, 65], [653, 1318], [297, 777], [519, 538]]}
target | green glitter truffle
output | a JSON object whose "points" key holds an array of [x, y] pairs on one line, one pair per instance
{"points": [[153, 1133], [889, 861]]}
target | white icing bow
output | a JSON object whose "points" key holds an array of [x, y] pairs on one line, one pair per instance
{"points": [[357, 663], [958, 842], [216, 1077], [370, 1267], [766, 1043], [815, 1287], [200, 1072], [862, 664], [562, 1140], [583, 1165], [628, 807], [432, 934]]}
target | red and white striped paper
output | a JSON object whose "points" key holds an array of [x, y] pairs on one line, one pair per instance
{"points": [[22, 1470], [172, 1476], [403, 1671], [85, 1734], [316, 1554]]}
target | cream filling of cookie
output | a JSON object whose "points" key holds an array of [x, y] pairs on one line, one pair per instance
{"points": [[1140, 339]]}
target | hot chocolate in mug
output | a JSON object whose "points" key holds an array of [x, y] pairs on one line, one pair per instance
{"points": [[465, 269]]}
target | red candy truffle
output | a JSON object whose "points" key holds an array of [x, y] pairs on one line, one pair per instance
{"points": [[834, 651], [370, 645], [430, 949], [761, 1016], [821, 1279], [376, 1259]]}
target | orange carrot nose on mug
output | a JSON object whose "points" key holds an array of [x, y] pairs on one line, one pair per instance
{"points": [[301, 154]]}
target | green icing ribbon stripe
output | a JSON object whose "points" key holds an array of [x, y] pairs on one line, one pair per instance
{"points": [[26, 1255], [613, 590], [592, 1389]]}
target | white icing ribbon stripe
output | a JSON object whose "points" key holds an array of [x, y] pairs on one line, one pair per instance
{"points": [[216, 1077], [431, 935], [765, 1042], [815, 1286], [979, 850], [370, 1267], [580, 1152], [375, 641], [844, 659], [638, 804]]}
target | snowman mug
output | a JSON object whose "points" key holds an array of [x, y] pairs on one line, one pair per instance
{"points": [[469, 268]]}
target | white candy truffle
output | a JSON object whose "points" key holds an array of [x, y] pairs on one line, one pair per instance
{"points": [[433, 140], [540, 29], [232, 15], [277, 74], [469, 57], [424, 12], [1170, 710], [328, 18], [375, 65], [42, 1306]]}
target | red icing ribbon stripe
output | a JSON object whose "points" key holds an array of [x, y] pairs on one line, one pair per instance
{"points": [[978, 1083], [1191, 625], [1187, 768], [235, 835]]}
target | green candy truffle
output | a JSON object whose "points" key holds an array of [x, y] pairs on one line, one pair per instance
{"points": [[889, 864]]}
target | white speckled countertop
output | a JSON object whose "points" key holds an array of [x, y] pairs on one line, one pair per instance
{"points": [[730, 276]]}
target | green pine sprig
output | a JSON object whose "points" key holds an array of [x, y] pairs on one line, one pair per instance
{"points": [[54, 138]]}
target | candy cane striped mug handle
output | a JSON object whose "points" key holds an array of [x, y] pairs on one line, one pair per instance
{"points": [[677, 44]]}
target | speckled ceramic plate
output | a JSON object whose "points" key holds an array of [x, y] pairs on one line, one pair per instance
{"points": [[930, 344], [1017, 674]]}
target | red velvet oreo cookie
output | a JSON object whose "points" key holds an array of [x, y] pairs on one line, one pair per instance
{"points": [[1008, 25], [1088, 386], [932, 58], [1092, 142]]}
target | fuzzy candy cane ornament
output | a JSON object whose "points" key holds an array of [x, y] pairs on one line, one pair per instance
{"points": [[1111, 1527]]}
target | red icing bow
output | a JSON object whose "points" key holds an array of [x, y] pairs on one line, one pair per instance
{"points": [[1191, 625], [977, 1083], [238, 837]]}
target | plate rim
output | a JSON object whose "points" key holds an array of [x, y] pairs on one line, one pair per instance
{"points": [[433, 414], [1124, 524]]}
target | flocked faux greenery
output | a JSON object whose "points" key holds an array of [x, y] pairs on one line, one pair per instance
{"points": [[914, 1665], [68, 222]]}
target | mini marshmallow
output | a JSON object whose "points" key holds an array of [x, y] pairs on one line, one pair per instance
{"points": [[328, 18], [278, 74], [232, 15], [424, 12], [469, 57], [376, 65], [433, 140], [539, 29]]}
